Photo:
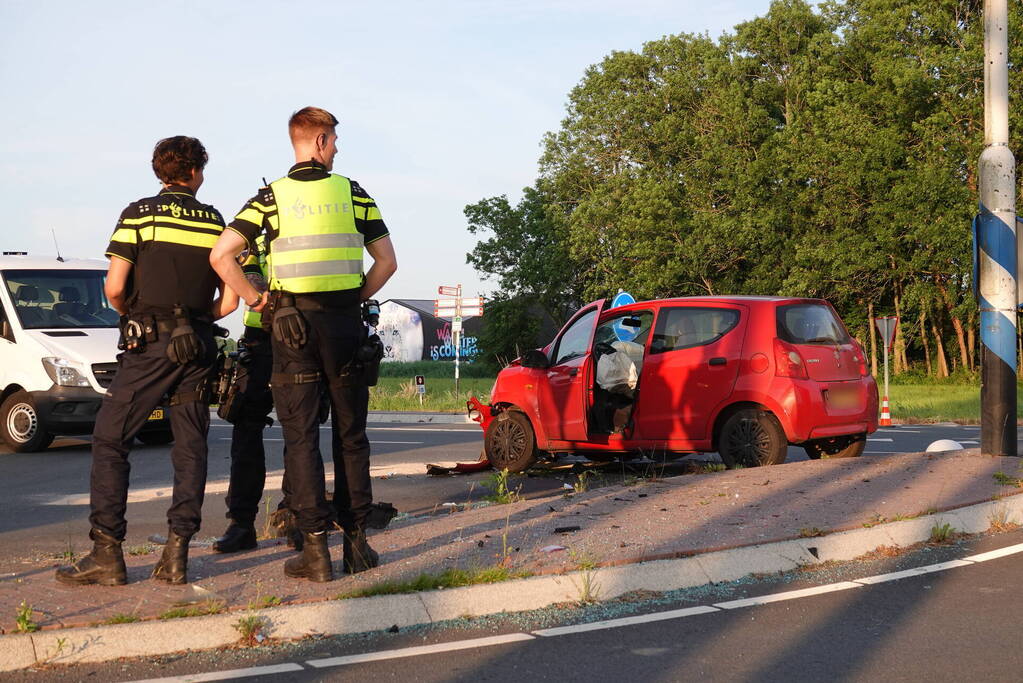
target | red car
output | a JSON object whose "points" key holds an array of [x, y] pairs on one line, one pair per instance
{"points": [[741, 375]]}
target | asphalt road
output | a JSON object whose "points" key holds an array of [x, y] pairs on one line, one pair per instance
{"points": [[44, 496], [953, 624]]}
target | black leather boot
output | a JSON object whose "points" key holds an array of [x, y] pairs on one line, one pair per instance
{"points": [[104, 565], [173, 564], [314, 562], [238, 537], [357, 555]]}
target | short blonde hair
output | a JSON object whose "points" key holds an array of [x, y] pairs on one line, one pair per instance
{"points": [[309, 122]]}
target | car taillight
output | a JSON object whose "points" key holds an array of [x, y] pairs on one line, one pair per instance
{"points": [[787, 361], [861, 359]]}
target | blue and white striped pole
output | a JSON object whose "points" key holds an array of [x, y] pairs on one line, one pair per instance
{"points": [[996, 232]]}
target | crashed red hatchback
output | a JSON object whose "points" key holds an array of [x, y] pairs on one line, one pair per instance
{"points": [[744, 376]]}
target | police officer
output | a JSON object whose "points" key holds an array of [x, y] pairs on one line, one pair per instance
{"points": [[161, 283], [317, 224], [249, 409]]}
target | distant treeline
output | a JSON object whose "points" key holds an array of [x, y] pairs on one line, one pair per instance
{"points": [[827, 152]]}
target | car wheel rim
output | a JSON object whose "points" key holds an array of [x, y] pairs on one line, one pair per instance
{"points": [[22, 422], [750, 443], [509, 442]]}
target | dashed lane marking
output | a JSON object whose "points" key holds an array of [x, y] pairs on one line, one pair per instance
{"points": [[227, 675], [420, 650]]}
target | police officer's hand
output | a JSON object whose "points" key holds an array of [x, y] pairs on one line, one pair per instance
{"points": [[260, 303]]}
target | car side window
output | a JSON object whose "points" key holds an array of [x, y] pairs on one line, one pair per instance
{"points": [[683, 328], [575, 341]]}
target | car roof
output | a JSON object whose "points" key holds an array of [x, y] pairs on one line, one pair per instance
{"points": [[50, 263], [738, 298]]}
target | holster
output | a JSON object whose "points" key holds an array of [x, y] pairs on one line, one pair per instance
{"points": [[368, 357], [233, 401]]}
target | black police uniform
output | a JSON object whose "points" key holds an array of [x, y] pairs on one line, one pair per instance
{"points": [[334, 331]]}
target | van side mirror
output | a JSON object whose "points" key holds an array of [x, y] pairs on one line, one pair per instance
{"points": [[535, 358], [5, 331]]}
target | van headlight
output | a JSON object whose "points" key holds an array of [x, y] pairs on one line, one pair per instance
{"points": [[63, 373]]}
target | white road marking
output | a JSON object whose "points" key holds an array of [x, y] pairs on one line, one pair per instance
{"points": [[626, 621], [964, 441], [420, 650], [787, 595], [916, 571], [888, 440], [227, 675], [995, 554]]}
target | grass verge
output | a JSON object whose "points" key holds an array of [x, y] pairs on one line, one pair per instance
{"points": [[449, 578]]}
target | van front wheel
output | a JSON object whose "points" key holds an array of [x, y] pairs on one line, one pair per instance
{"points": [[20, 426]]}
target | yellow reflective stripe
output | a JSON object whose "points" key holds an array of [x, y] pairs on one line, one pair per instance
{"points": [[126, 235], [362, 200], [250, 215], [265, 208], [321, 283], [373, 214], [175, 221], [190, 238]]}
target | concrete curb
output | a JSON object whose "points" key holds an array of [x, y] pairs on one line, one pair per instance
{"points": [[427, 418], [335, 617]]}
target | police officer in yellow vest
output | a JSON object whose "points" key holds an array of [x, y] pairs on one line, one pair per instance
{"points": [[317, 224], [161, 282], [247, 410]]}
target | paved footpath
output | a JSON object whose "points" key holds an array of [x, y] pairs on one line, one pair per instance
{"points": [[647, 534]]}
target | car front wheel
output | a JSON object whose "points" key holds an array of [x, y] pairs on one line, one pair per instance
{"points": [[751, 438], [20, 426], [510, 443], [838, 447]]}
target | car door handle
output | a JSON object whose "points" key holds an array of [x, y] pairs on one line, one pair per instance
{"points": [[718, 361]]}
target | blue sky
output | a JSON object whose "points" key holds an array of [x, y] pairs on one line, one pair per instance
{"points": [[441, 104]]}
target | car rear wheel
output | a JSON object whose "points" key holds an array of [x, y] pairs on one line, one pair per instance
{"points": [[838, 447], [510, 443], [20, 426], [751, 438]]}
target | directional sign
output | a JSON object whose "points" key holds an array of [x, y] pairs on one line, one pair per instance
{"points": [[456, 323], [886, 326], [449, 291]]}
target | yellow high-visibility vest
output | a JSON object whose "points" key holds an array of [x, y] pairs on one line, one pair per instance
{"points": [[317, 247], [255, 263]]}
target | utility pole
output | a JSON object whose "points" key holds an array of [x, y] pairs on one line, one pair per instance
{"points": [[996, 231]]}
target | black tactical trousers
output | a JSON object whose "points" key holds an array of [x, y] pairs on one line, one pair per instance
{"points": [[142, 381], [333, 336], [248, 456]]}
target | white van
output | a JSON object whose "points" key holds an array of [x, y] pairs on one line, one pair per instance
{"points": [[58, 351]]}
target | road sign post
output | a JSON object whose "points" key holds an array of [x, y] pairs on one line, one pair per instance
{"points": [[886, 326], [421, 387], [456, 308]]}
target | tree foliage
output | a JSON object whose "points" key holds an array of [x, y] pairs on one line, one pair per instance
{"points": [[827, 152]]}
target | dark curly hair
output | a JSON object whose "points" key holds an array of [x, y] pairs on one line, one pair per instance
{"points": [[174, 158]]}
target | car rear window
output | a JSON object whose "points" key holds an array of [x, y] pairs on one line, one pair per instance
{"points": [[810, 324], [681, 328]]}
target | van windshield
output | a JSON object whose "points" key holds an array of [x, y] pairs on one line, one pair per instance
{"points": [[810, 324], [49, 299]]}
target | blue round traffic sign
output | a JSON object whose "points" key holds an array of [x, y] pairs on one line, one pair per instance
{"points": [[621, 331]]}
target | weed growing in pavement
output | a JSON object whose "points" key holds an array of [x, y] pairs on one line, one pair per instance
{"points": [[499, 491], [942, 533], [583, 561], [121, 618], [264, 601], [811, 532], [1005, 480], [144, 549], [252, 628], [23, 619], [882, 551], [68, 556], [199, 609], [449, 578], [710, 467], [588, 588], [874, 520], [268, 526], [1000, 521], [582, 482]]}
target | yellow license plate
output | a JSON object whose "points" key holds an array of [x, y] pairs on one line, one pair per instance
{"points": [[156, 414]]}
